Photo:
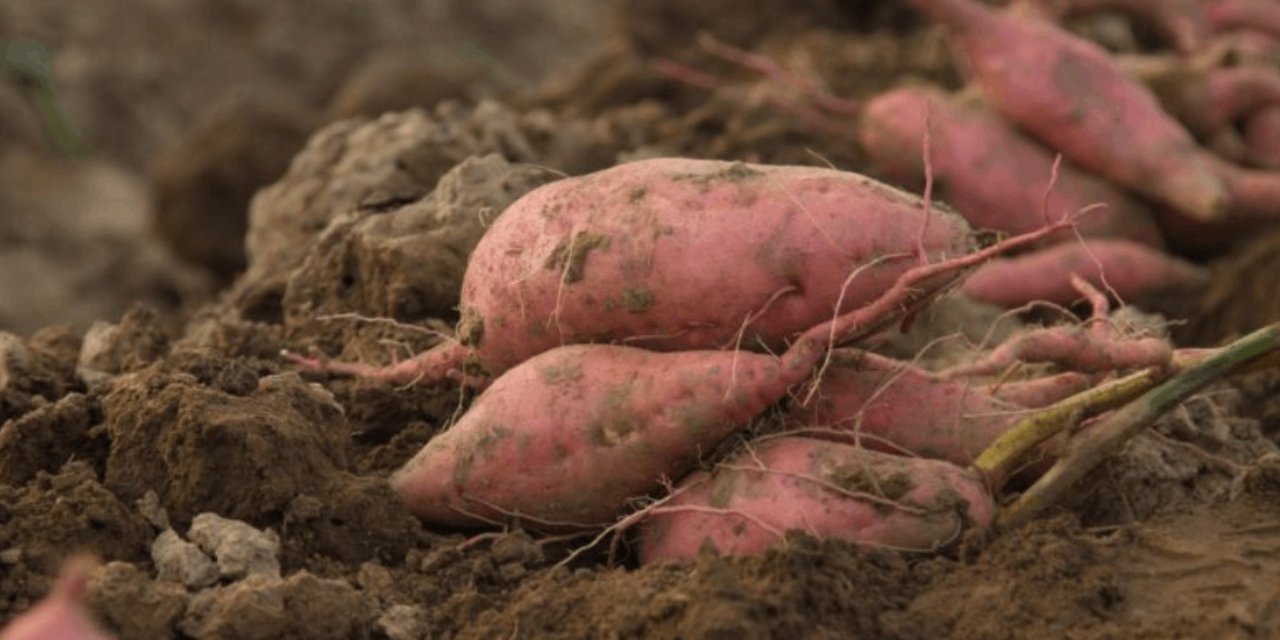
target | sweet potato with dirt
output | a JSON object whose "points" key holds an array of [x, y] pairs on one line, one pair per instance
{"points": [[1071, 94], [826, 489], [673, 254], [891, 406], [565, 439], [989, 172], [1132, 271]]}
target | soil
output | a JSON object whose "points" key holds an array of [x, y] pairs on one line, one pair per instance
{"points": [[324, 196]]}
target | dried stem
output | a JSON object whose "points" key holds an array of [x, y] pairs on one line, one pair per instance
{"points": [[1084, 453]]}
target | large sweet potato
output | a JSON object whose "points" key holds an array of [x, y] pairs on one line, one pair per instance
{"points": [[1071, 94], [565, 439], [822, 488], [673, 254], [990, 173]]}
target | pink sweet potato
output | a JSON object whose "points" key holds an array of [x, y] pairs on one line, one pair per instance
{"points": [[1255, 203], [1133, 271], [674, 254], [990, 173], [892, 406], [62, 615], [1228, 15], [1072, 95], [1262, 138], [1071, 347], [1208, 101], [1181, 22], [565, 439], [826, 489]]}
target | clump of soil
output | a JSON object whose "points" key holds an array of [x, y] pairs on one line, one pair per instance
{"points": [[1239, 297]]}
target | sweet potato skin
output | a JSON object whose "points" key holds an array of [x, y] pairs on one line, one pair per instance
{"points": [[674, 254], [1132, 270], [566, 439], [891, 406], [1227, 15], [1262, 138], [1072, 95], [990, 173], [823, 488]]}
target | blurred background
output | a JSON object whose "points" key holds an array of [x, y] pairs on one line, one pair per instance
{"points": [[181, 109]]}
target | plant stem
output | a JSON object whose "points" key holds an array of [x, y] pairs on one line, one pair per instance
{"points": [[1091, 448], [1004, 455]]}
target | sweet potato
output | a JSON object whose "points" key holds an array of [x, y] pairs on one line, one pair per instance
{"points": [[1132, 271], [1262, 138], [892, 406], [672, 254], [1071, 347], [990, 173], [1181, 22], [62, 615], [1210, 100], [566, 438], [823, 488], [1043, 391], [1255, 203], [1071, 94], [1228, 15]]}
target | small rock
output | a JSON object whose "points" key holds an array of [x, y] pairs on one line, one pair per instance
{"points": [[249, 609], [133, 605], [15, 359], [177, 560], [517, 548], [135, 341], [240, 549], [260, 606], [375, 578], [404, 622], [11, 556], [151, 509], [237, 379]]}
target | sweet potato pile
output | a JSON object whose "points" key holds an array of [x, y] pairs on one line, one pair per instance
{"points": [[631, 322], [627, 325]]}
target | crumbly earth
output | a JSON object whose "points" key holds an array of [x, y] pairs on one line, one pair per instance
{"points": [[119, 421]]}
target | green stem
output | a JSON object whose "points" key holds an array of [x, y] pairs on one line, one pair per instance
{"points": [[1087, 451], [56, 124]]}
